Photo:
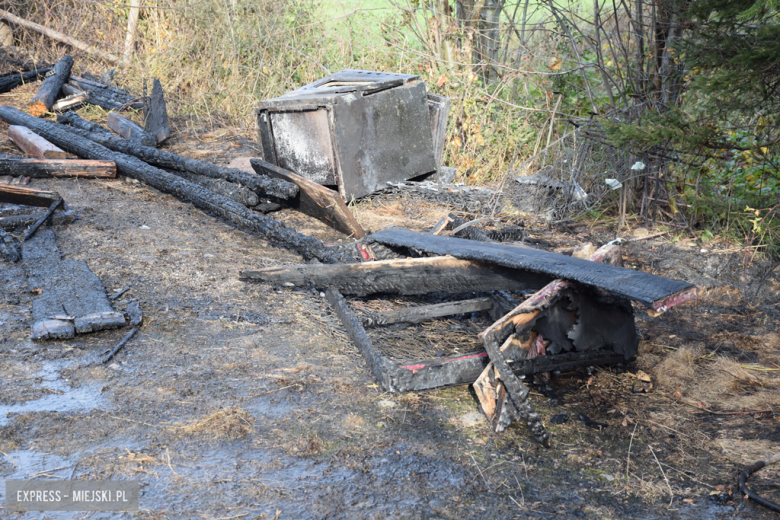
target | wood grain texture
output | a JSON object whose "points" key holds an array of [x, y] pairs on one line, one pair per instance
{"points": [[34, 145], [42, 101], [45, 168], [315, 200], [412, 276], [428, 312], [619, 281], [27, 196], [130, 130]]}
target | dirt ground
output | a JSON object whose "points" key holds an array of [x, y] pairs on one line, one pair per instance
{"points": [[240, 400]]}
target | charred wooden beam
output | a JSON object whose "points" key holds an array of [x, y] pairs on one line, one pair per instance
{"points": [[235, 191], [10, 81], [315, 200], [413, 276], [382, 368], [155, 113], [17, 221], [650, 290], [34, 145], [130, 130], [428, 312], [50, 88], [274, 231], [105, 96], [46, 216], [163, 159], [27, 196], [45, 168]]}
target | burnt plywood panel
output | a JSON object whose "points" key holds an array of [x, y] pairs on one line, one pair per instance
{"points": [[303, 145], [650, 290], [385, 136]]}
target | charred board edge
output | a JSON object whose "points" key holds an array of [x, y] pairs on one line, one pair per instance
{"points": [[27, 196], [428, 312], [315, 200], [17, 221], [626, 283], [46, 168]]}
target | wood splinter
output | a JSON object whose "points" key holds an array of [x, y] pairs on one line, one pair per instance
{"points": [[121, 344]]}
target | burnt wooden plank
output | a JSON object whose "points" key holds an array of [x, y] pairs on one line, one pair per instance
{"points": [[67, 288], [156, 114], [27, 196], [648, 289], [382, 368], [42, 101], [315, 200], [46, 168], [34, 145], [70, 102], [428, 312], [130, 130], [272, 230], [46, 216], [412, 276], [17, 221]]}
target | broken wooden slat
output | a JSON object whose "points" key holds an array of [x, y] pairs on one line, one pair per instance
{"points": [[276, 232], [102, 95], [412, 276], [17, 221], [46, 216], [42, 101], [10, 81], [130, 130], [163, 159], [27, 196], [33, 144], [155, 113], [45, 168], [70, 102], [650, 290], [428, 312], [315, 200]]}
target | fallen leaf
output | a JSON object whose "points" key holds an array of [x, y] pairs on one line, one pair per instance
{"points": [[720, 487], [555, 63], [442, 80], [37, 291], [677, 395]]}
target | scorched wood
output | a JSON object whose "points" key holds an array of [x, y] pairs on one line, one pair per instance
{"points": [[10, 81], [27, 196], [220, 205], [160, 158], [412, 276], [655, 292], [130, 130], [46, 216], [428, 312], [50, 88], [18, 221], [45, 168], [34, 145], [315, 200], [155, 113], [235, 191], [104, 96]]}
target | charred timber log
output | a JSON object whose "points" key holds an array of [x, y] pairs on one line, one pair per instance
{"points": [[50, 88], [274, 231], [8, 82], [414, 276], [428, 312], [160, 158], [45, 168], [235, 191]]}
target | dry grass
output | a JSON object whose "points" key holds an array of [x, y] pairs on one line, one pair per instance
{"points": [[230, 423]]}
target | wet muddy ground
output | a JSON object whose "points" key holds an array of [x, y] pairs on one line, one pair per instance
{"points": [[239, 400]]}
